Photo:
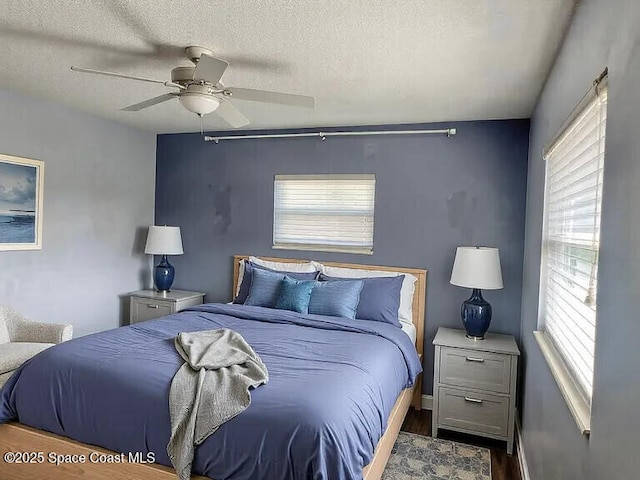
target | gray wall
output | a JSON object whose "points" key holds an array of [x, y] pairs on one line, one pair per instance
{"points": [[433, 193], [98, 193], [603, 33]]}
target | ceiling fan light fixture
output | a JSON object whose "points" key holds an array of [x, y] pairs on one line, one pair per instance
{"points": [[199, 103]]}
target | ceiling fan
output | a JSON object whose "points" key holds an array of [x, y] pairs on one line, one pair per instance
{"points": [[201, 91]]}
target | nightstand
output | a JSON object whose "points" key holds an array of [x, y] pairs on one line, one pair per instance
{"points": [[474, 385], [150, 304]]}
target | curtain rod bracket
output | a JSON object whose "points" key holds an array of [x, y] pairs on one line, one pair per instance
{"points": [[602, 76]]}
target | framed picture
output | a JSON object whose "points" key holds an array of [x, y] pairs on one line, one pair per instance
{"points": [[21, 184]]}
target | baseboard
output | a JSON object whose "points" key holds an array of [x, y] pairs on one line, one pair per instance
{"points": [[522, 459], [427, 402]]}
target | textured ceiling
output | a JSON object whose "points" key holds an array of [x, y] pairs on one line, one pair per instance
{"points": [[365, 61]]}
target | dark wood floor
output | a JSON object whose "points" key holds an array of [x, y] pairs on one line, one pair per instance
{"points": [[503, 466]]}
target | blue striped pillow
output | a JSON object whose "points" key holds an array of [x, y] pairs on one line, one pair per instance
{"points": [[379, 298], [337, 298], [265, 288]]}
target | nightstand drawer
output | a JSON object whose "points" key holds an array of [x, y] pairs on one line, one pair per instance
{"points": [[143, 309], [473, 411], [475, 369]]}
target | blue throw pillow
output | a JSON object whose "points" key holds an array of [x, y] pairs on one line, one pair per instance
{"points": [[379, 298], [295, 294], [249, 268], [338, 298], [265, 288]]}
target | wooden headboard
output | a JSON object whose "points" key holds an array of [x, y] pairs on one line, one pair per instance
{"points": [[419, 296]]}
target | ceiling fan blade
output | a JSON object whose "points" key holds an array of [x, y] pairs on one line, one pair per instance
{"points": [[119, 75], [231, 114], [271, 97], [148, 103], [209, 69]]}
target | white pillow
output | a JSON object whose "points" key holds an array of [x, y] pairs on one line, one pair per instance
{"points": [[406, 292], [302, 267], [4, 332]]}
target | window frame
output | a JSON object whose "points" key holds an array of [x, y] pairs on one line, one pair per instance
{"points": [[578, 401], [365, 249]]}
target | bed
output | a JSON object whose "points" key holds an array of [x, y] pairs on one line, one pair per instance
{"points": [[18, 437]]}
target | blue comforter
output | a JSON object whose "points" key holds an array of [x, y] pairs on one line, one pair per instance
{"points": [[332, 385]]}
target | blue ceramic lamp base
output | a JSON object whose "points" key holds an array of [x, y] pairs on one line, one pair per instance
{"points": [[476, 315], [163, 275]]}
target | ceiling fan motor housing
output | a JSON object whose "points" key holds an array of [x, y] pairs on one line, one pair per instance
{"points": [[182, 75]]}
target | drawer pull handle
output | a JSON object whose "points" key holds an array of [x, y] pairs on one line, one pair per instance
{"points": [[475, 359], [151, 306], [472, 400]]}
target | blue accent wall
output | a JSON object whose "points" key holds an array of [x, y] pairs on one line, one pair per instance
{"points": [[433, 194], [602, 34]]}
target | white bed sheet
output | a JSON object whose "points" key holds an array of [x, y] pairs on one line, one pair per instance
{"points": [[409, 329]]}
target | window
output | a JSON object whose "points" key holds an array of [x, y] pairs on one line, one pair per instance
{"points": [[571, 235], [324, 212]]}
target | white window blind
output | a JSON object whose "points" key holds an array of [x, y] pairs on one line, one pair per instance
{"points": [[574, 168], [324, 212]]}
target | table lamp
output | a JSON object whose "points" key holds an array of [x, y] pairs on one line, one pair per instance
{"points": [[477, 268], [164, 241]]}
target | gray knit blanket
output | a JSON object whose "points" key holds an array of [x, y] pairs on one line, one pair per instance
{"points": [[210, 388]]}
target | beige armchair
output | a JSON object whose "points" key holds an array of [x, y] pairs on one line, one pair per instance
{"points": [[21, 339]]}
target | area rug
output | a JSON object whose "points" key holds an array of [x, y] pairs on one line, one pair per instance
{"points": [[415, 457]]}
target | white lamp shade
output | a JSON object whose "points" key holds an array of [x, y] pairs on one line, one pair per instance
{"points": [[164, 241], [477, 267]]}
